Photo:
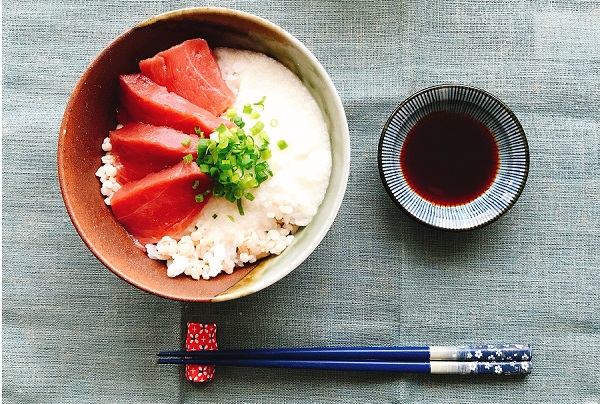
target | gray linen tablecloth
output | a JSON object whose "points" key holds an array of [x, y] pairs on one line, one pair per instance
{"points": [[74, 332]]}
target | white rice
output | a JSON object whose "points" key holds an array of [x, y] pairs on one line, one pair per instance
{"points": [[107, 173], [282, 204]]}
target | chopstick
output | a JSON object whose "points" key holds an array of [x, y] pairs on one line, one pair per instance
{"points": [[497, 359], [432, 367], [492, 353]]}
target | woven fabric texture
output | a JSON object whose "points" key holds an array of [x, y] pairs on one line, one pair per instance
{"points": [[74, 332]]}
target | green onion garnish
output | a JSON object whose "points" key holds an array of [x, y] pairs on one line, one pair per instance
{"points": [[236, 162], [214, 216], [188, 158], [247, 109], [238, 121], [186, 142], [231, 218], [196, 183], [258, 126], [198, 131], [231, 112], [274, 122], [265, 154], [282, 144], [261, 103], [199, 198]]}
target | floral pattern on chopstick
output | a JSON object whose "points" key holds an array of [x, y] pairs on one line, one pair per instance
{"points": [[501, 353]]}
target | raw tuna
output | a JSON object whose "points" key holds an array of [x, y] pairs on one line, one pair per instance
{"points": [[140, 149], [142, 100], [162, 203], [191, 71]]}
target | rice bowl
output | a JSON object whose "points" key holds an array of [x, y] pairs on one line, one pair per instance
{"points": [[89, 116]]}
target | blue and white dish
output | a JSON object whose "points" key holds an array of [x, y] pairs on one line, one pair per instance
{"points": [[513, 157]]}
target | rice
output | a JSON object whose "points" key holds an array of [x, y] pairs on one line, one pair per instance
{"points": [[221, 238], [107, 173]]}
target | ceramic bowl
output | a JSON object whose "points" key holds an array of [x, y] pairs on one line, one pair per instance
{"points": [[511, 161], [90, 114]]}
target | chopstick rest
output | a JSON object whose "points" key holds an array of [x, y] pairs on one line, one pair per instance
{"points": [[200, 337]]}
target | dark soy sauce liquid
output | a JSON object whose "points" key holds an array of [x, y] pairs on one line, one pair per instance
{"points": [[449, 158]]}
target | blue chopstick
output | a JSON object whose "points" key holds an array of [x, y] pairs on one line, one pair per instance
{"points": [[476, 353], [433, 367]]}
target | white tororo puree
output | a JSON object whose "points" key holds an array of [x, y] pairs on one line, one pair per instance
{"points": [[287, 200]]}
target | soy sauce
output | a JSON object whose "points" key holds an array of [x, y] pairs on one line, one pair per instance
{"points": [[449, 158]]}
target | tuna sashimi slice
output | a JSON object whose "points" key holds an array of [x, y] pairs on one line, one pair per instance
{"points": [[140, 149], [190, 70], [162, 203], [142, 100]]}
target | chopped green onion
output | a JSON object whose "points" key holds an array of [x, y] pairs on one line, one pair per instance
{"points": [[198, 131], [240, 209], [261, 102], [258, 126], [196, 183], [238, 121], [235, 159], [261, 176], [202, 146], [265, 154], [282, 144], [273, 122], [214, 216], [231, 218], [188, 158], [230, 197], [263, 136], [186, 142]]}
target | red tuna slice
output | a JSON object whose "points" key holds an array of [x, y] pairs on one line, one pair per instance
{"points": [[140, 149], [142, 100], [190, 70], [162, 203]]}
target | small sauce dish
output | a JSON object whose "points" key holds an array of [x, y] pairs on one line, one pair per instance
{"points": [[453, 157]]}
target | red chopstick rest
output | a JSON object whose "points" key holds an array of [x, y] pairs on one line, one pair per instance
{"points": [[200, 337]]}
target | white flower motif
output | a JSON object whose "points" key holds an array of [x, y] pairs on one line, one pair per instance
{"points": [[473, 366], [513, 364], [478, 354], [469, 355], [525, 366], [498, 352], [498, 369], [491, 346], [525, 357], [488, 365], [491, 357]]}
